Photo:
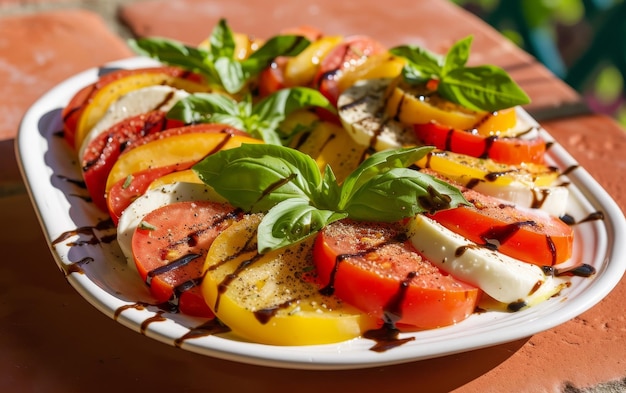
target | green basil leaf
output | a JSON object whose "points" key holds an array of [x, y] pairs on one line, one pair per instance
{"points": [[422, 64], [457, 56], [330, 191], [282, 45], [255, 177], [483, 88], [399, 193], [375, 165], [231, 74], [276, 107], [175, 53], [291, 221], [222, 41], [202, 108]]}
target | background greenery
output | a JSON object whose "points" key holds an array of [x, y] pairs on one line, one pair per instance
{"points": [[583, 42]]}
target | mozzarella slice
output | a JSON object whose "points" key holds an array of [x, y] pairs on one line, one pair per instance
{"points": [[151, 200], [136, 102], [552, 200], [505, 279], [362, 113]]}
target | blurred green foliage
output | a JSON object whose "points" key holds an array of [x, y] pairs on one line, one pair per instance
{"points": [[582, 42]]}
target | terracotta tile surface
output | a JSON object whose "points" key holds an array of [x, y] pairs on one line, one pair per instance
{"points": [[52, 340], [37, 51]]}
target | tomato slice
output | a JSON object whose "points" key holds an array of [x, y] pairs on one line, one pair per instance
{"points": [[103, 151], [272, 78], [169, 250], [350, 53], [173, 149], [126, 190], [271, 298], [507, 150], [112, 85], [373, 267], [529, 235]]}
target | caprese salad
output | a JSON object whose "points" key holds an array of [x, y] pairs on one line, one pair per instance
{"points": [[310, 189]]}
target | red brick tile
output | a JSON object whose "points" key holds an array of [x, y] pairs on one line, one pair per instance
{"points": [[37, 52], [59, 44]]}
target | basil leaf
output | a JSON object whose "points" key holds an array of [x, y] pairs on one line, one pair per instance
{"points": [[375, 165], [261, 120], [277, 106], [175, 53], [457, 56], [231, 74], [291, 221], [222, 41], [283, 45], [202, 108], [422, 64], [482, 88], [257, 177], [399, 193]]}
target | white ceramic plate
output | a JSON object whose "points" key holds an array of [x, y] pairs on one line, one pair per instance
{"points": [[99, 272]]}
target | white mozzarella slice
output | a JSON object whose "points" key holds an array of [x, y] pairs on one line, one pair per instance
{"points": [[505, 279], [552, 200], [136, 102], [362, 113], [151, 200]]}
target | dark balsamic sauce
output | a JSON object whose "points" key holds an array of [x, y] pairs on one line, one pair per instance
{"points": [[86, 230], [386, 337], [580, 270], [209, 328]]}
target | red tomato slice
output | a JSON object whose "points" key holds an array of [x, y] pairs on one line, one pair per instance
{"points": [[103, 151], [350, 53], [72, 112], [170, 246], [500, 149], [529, 235], [125, 191], [372, 267], [272, 78]]}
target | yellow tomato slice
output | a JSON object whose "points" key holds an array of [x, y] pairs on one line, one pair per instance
{"points": [[114, 90], [330, 144], [465, 170], [414, 105], [268, 299], [327, 143], [382, 65], [301, 69], [177, 149], [185, 176], [501, 123]]}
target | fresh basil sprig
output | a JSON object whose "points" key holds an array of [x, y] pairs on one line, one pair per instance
{"points": [[299, 201], [219, 63], [481, 88], [261, 119]]}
